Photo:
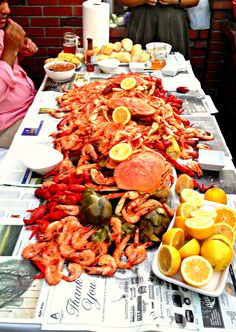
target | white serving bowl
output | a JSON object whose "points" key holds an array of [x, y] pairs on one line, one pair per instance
{"points": [[108, 66], [41, 158], [62, 75], [211, 160], [158, 45], [136, 67]]}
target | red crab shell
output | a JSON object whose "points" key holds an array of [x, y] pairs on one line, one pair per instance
{"points": [[142, 172], [137, 106]]}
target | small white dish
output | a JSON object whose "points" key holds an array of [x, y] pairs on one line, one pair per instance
{"points": [[41, 158], [54, 70], [137, 67], [211, 159], [108, 66], [158, 45]]}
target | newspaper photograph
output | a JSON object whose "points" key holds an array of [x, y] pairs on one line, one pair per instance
{"points": [[22, 296]]}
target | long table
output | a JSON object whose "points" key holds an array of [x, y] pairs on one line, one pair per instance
{"points": [[134, 300]]}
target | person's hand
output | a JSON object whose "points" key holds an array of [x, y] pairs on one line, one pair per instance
{"points": [[13, 37], [29, 48], [151, 2], [168, 2]]}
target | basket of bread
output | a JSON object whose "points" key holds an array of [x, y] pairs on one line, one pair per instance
{"points": [[125, 51], [76, 59]]}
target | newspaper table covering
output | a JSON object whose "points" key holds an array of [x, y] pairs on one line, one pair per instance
{"points": [[134, 300]]}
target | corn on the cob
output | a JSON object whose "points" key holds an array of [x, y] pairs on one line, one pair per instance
{"points": [[173, 150]]}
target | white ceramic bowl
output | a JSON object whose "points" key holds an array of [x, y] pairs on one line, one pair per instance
{"points": [[54, 70], [108, 66], [41, 158], [150, 47], [211, 159], [136, 67]]}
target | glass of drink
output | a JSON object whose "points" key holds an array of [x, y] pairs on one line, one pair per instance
{"points": [[70, 42], [158, 58]]}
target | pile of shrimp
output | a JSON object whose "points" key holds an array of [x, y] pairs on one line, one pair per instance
{"points": [[67, 240], [87, 119]]}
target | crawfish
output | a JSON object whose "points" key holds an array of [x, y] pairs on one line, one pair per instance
{"points": [[68, 198], [36, 214]]}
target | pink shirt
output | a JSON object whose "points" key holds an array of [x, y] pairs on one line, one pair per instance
{"points": [[16, 92]]}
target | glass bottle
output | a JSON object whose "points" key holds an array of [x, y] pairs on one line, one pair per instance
{"points": [[89, 55]]}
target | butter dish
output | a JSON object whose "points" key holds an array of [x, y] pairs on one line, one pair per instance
{"points": [[211, 160]]}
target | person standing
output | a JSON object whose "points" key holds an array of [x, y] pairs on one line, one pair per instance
{"points": [[160, 20], [17, 90]]}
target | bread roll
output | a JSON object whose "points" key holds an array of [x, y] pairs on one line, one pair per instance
{"points": [[144, 57], [117, 46], [136, 49], [114, 55], [127, 44], [101, 57], [107, 49], [124, 57]]}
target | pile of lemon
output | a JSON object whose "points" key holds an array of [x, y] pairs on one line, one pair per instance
{"points": [[201, 241]]}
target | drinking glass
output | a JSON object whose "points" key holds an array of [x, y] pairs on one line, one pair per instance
{"points": [[70, 42], [158, 58]]}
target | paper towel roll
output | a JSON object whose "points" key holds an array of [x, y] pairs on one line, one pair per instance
{"points": [[96, 22]]}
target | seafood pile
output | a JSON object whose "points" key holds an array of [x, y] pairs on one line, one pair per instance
{"points": [[100, 214]]}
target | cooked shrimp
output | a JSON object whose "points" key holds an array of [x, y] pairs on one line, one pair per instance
{"points": [[79, 241], [117, 229], [128, 194], [75, 271], [107, 266], [53, 275], [32, 250], [119, 252], [84, 258]]}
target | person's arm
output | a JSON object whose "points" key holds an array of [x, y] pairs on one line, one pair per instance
{"points": [[13, 41], [28, 49], [182, 3], [135, 3]]}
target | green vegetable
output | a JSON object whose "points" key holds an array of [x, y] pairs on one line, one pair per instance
{"points": [[97, 209], [153, 225]]}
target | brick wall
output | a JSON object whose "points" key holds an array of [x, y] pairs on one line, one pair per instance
{"points": [[46, 21], [221, 11]]}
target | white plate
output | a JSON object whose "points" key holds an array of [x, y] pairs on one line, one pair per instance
{"points": [[217, 284]]}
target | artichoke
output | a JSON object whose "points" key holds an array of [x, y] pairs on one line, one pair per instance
{"points": [[96, 209], [153, 225]]}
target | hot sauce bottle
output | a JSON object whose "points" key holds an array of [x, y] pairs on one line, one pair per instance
{"points": [[89, 55]]}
